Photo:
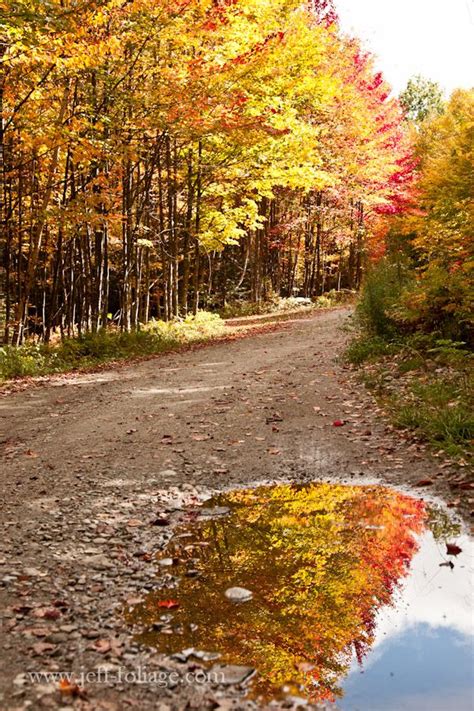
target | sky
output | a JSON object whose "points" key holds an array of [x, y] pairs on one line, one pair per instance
{"points": [[434, 38]]}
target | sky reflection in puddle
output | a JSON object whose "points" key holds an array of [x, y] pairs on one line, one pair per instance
{"points": [[350, 602]]}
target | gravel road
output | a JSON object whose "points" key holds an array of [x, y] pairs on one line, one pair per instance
{"points": [[89, 461]]}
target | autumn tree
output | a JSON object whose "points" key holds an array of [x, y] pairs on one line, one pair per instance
{"points": [[158, 158], [421, 99]]}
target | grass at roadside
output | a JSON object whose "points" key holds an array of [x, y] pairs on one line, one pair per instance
{"points": [[91, 350], [425, 384]]}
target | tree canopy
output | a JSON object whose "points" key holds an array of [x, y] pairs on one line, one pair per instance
{"points": [[160, 157]]}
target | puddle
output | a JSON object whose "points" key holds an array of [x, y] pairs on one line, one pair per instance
{"points": [[355, 600]]}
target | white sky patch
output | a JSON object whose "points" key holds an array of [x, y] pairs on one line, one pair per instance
{"points": [[430, 595], [428, 37]]}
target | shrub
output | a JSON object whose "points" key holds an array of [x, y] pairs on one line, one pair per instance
{"points": [[381, 291], [440, 301], [369, 348]]}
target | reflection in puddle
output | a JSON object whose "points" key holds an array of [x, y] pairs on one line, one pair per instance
{"points": [[345, 579]]}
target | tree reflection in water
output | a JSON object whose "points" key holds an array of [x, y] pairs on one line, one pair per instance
{"points": [[320, 559]]}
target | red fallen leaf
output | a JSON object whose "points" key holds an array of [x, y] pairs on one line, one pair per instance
{"points": [[338, 423], [52, 614], [453, 549], [168, 604], [424, 482], [70, 688]]}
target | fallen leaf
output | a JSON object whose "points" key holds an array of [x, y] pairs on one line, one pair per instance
{"points": [[338, 423], [453, 549], [424, 482], [168, 604], [70, 688], [134, 522], [51, 614]]}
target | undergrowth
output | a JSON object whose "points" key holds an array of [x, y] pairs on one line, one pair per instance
{"points": [[242, 308], [424, 381], [92, 349]]}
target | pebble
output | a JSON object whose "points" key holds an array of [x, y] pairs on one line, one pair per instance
{"points": [[166, 561], [33, 572], [238, 594], [214, 512], [232, 674]]}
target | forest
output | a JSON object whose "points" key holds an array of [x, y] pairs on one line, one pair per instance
{"points": [[158, 158], [163, 164]]}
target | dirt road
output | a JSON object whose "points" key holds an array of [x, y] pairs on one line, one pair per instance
{"points": [[90, 461]]}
